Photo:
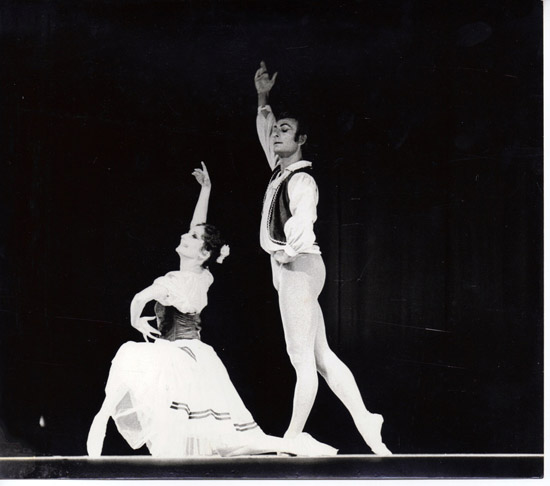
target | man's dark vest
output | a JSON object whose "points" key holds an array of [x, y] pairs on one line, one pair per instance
{"points": [[279, 210]]}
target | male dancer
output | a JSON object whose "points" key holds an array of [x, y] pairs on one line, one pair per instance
{"points": [[287, 234]]}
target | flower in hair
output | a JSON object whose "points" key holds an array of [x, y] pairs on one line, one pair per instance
{"points": [[224, 251]]}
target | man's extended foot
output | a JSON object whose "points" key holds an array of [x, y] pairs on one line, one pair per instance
{"points": [[371, 430], [305, 445]]}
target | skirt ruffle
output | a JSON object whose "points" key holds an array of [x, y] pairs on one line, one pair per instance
{"points": [[177, 398]]}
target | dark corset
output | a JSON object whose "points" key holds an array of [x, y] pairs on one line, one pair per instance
{"points": [[174, 324]]}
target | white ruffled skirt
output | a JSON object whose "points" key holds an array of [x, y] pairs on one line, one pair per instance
{"points": [[177, 398]]}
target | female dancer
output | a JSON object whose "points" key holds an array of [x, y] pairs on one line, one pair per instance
{"points": [[173, 393]]}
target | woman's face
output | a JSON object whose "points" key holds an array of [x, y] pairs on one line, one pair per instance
{"points": [[191, 244]]}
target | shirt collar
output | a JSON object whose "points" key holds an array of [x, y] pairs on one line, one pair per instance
{"points": [[295, 166]]}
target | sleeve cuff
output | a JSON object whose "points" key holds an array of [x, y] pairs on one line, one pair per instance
{"points": [[290, 251]]}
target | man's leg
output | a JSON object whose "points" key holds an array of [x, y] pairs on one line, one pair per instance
{"points": [[342, 382], [298, 289]]}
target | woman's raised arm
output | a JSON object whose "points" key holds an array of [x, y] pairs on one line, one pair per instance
{"points": [[201, 208]]}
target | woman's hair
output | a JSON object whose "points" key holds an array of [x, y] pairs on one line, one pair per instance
{"points": [[213, 243]]}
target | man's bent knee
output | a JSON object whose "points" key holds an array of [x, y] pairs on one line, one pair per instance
{"points": [[301, 357]]}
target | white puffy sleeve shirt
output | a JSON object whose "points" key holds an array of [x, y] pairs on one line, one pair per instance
{"points": [[303, 195], [186, 291], [265, 120]]}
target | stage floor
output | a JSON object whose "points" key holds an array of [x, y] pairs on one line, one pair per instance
{"points": [[448, 466]]}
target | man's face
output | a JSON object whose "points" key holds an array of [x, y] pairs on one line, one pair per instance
{"points": [[283, 137]]}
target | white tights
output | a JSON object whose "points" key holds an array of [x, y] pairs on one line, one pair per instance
{"points": [[299, 284]]}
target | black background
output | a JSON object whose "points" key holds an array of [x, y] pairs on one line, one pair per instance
{"points": [[426, 137]]}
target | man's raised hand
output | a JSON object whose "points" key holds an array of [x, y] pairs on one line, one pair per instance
{"points": [[263, 82]]}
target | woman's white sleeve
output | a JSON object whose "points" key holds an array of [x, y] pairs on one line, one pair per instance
{"points": [[167, 284], [304, 196]]}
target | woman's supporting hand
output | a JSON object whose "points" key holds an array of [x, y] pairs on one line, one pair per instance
{"points": [[202, 176], [148, 331]]}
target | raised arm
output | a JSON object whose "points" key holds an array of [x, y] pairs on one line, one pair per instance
{"points": [[263, 83], [140, 300], [201, 208], [265, 118]]}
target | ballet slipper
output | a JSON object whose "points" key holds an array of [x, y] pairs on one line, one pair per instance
{"points": [[287, 437], [371, 430], [305, 445], [291, 438]]}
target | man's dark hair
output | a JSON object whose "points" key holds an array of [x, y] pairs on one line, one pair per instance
{"points": [[300, 119]]}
